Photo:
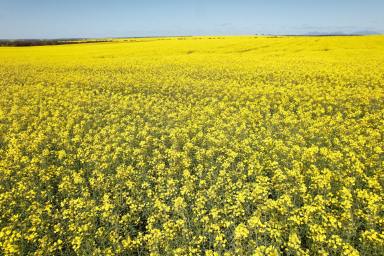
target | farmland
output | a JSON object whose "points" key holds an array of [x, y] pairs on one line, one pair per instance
{"points": [[193, 146]]}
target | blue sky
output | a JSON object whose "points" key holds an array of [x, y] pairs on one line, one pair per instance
{"points": [[118, 18]]}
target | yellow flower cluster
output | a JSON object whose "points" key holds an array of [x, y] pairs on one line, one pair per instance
{"points": [[193, 146]]}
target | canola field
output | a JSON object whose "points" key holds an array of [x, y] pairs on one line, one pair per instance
{"points": [[193, 146]]}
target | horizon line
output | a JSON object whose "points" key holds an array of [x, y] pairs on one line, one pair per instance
{"points": [[309, 34]]}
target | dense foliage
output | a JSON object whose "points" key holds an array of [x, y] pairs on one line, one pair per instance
{"points": [[190, 146], [40, 42]]}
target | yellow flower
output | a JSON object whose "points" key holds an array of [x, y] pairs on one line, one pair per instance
{"points": [[241, 232]]}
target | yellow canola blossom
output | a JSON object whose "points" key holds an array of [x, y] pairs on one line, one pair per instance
{"points": [[193, 146]]}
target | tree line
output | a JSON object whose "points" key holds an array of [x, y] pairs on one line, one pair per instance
{"points": [[40, 42]]}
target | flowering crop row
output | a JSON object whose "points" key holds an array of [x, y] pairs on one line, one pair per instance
{"points": [[193, 146]]}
